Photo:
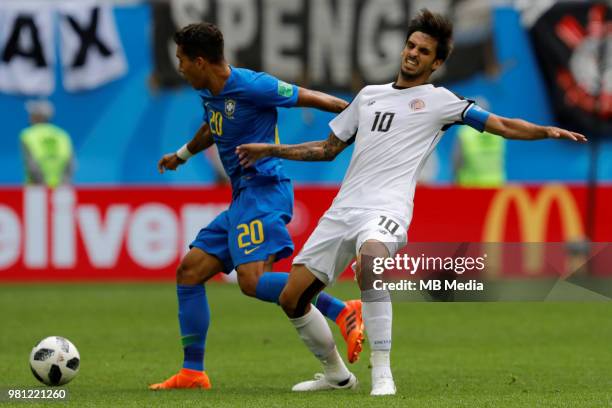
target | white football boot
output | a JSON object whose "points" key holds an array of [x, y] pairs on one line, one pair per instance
{"points": [[320, 383], [383, 385]]}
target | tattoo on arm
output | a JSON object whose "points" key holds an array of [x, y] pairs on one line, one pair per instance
{"points": [[333, 146], [321, 150], [311, 151]]}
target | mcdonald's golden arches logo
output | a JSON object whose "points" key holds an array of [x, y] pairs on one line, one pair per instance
{"points": [[533, 214], [533, 218]]}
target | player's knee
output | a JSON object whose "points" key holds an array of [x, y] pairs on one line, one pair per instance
{"points": [[373, 248], [187, 275], [248, 277], [197, 267], [370, 252], [248, 283], [288, 303]]}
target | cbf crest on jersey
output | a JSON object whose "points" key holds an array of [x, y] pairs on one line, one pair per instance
{"points": [[230, 108]]}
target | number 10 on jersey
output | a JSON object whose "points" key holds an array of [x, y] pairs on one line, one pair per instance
{"points": [[382, 123]]}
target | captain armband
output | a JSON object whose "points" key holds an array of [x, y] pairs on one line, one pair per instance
{"points": [[476, 117]]}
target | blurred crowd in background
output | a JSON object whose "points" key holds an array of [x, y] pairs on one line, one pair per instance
{"points": [[108, 70]]}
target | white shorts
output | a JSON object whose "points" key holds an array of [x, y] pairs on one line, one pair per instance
{"points": [[339, 236]]}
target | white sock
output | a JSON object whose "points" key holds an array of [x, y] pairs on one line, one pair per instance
{"points": [[381, 364], [377, 317], [316, 334]]}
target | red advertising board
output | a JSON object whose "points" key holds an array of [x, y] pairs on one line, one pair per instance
{"points": [[133, 233]]}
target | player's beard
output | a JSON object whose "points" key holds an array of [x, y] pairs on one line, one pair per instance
{"points": [[415, 75], [410, 76], [407, 76]]}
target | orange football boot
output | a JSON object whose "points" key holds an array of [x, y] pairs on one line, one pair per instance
{"points": [[351, 326], [185, 378]]}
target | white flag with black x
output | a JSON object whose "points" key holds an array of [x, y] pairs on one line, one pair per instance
{"points": [[92, 54], [26, 48]]}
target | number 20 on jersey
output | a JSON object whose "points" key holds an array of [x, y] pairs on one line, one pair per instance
{"points": [[216, 123]]}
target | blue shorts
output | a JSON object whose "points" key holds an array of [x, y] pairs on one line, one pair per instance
{"points": [[252, 228]]}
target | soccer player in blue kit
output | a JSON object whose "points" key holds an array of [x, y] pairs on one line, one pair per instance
{"points": [[240, 107]]}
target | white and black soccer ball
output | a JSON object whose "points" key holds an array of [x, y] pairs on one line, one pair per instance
{"points": [[55, 361]]}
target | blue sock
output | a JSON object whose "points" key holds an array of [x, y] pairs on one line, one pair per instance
{"points": [[328, 305], [194, 317], [271, 284]]}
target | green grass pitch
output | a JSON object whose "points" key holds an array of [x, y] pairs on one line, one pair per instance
{"points": [[444, 354]]}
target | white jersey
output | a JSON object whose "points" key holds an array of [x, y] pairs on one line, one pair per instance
{"points": [[395, 130]]}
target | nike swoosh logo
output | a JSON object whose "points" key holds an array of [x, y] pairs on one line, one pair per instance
{"points": [[248, 251]]}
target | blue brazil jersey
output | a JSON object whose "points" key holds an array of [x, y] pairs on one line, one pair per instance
{"points": [[245, 112], [254, 226]]}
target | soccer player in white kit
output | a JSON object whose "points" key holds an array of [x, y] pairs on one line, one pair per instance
{"points": [[394, 127]]}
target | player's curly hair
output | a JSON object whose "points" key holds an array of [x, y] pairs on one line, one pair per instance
{"points": [[438, 27], [201, 40]]}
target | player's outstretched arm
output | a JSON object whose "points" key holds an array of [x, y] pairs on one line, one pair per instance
{"points": [[522, 130], [314, 99], [320, 150], [202, 140]]}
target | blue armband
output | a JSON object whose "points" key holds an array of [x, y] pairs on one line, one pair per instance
{"points": [[476, 117]]}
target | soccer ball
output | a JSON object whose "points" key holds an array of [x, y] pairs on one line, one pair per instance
{"points": [[54, 361]]}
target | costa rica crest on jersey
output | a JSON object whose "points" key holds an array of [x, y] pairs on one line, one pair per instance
{"points": [[417, 104], [230, 108]]}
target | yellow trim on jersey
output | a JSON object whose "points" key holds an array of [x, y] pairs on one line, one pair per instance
{"points": [[276, 137]]}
